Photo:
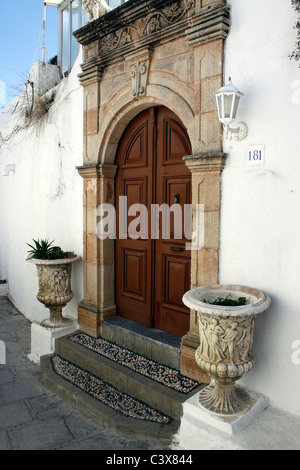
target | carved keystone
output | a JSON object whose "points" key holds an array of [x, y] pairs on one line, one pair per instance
{"points": [[136, 73], [139, 65]]}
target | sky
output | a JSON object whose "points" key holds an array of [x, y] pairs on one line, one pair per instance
{"points": [[21, 42]]}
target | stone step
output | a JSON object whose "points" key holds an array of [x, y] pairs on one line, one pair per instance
{"points": [[156, 384], [103, 402], [153, 343]]}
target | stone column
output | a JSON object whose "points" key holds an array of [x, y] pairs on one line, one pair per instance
{"points": [[206, 173], [98, 255]]}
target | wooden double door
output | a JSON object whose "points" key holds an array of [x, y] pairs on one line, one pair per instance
{"points": [[152, 262]]}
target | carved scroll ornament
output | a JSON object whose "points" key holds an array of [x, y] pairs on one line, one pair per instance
{"points": [[169, 15], [152, 23]]}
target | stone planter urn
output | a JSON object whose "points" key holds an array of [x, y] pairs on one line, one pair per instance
{"points": [[226, 338], [54, 277]]}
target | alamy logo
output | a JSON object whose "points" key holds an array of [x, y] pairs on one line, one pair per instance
{"points": [[186, 225], [296, 353], [296, 92], [2, 353]]}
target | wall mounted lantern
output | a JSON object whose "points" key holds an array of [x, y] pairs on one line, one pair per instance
{"points": [[228, 98]]}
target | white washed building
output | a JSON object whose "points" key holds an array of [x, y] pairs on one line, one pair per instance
{"points": [[254, 228]]}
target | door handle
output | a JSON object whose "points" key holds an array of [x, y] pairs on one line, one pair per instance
{"points": [[176, 248]]}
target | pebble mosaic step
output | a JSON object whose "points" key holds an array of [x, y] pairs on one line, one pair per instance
{"points": [[107, 394], [103, 402], [118, 386], [138, 363]]}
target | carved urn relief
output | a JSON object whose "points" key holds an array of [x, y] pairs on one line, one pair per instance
{"points": [[54, 277], [226, 338]]}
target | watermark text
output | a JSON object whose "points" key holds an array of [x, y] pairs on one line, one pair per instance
{"points": [[164, 221], [296, 353], [296, 92]]}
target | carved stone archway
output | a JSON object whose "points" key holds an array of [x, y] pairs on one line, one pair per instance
{"points": [[147, 53]]}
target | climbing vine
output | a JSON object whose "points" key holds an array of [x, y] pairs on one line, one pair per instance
{"points": [[296, 54]]}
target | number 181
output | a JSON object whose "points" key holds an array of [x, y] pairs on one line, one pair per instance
{"points": [[255, 155]]}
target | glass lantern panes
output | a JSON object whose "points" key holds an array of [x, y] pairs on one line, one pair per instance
{"points": [[228, 98], [235, 105], [228, 101], [227, 107]]}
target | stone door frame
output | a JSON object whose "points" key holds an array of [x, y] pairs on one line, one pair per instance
{"points": [[141, 82]]}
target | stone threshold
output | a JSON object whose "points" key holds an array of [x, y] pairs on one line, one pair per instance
{"points": [[151, 342]]}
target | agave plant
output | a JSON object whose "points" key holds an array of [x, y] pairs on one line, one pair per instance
{"points": [[54, 268], [43, 249]]}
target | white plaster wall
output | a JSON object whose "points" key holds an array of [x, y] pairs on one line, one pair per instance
{"points": [[260, 214], [43, 199]]}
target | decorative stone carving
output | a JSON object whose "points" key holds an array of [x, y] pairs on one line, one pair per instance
{"points": [[95, 8], [226, 338], [55, 291], [167, 16], [137, 71], [118, 38], [138, 65], [142, 23]]}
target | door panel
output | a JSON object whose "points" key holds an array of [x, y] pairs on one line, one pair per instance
{"points": [[133, 256], [174, 144], [175, 275], [153, 275], [135, 154], [172, 260], [134, 275], [176, 193]]}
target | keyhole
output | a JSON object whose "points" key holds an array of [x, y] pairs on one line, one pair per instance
{"points": [[176, 198]]}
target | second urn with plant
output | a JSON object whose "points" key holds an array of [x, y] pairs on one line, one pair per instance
{"points": [[54, 269], [226, 317]]}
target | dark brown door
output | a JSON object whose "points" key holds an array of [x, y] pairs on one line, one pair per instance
{"points": [[152, 271]]}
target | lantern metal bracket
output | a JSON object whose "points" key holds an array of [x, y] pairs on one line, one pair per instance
{"points": [[236, 131]]}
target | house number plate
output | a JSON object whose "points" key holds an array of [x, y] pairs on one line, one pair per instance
{"points": [[256, 155]]}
